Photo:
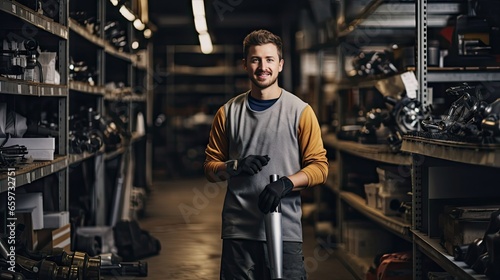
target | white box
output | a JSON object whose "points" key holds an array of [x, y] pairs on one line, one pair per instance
{"points": [[31, 203], [392, 182], [55, 219], [38, 148], [45, 143], [389, 203], [41, 154], [103, 233]]}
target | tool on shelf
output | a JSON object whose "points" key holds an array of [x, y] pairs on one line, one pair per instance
{"points": [[18, 61]]}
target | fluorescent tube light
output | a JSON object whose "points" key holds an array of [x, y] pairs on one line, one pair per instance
{"points": [[198, 7], [135, 45], [126, 13], [139, 25], [148, 33], [205, 43], [200, 23]]}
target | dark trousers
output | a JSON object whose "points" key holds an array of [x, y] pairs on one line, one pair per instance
{"points": [[248, 260]]}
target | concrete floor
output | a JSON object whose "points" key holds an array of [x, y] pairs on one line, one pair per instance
{"points": [[185, 216]]}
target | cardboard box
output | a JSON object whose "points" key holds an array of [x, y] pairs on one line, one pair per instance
{"points": [[28, 237], [54, 238], [462, 225], [55, 219], [392, 182], [102, 233], [41, 154], [31, 203], [45, 143], [390, 203]]}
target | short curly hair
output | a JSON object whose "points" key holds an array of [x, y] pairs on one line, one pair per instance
{"points": [[261, 37]]}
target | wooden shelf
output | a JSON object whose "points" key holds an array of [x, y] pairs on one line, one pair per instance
{"points": [[376, 152], [35, 18], [28, 173], [485, 155], [86, 88], [20, 87], [432, 248], [82, 31], [393, 223]]}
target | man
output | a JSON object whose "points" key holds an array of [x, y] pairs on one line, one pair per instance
{"points": [[264, 131]]}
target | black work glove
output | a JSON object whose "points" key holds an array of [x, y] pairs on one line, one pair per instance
{"points": [[250, 165], [272, 194]]}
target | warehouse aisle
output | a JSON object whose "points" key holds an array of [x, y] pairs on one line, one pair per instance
{"points": [[191, 239]]}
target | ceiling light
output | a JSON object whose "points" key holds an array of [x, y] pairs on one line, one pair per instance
{"points": [[139, 25], [200, 23], [198, 7], [126, 13], [135, 45], [148, 33], [114, 2], [206, 43]]}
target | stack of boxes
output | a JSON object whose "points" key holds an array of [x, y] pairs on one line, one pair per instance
{"points": [[391, 190]]}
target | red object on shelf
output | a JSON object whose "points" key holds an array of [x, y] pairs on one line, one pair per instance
{"points": [[396, 266]]}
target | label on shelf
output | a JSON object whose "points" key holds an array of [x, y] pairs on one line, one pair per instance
{"points": [[411, 84]]}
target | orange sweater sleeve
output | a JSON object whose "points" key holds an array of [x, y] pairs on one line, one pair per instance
{"points": [[314, 161], [217, 151]]}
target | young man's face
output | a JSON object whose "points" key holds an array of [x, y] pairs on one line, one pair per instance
{"points": [[263, 65]]}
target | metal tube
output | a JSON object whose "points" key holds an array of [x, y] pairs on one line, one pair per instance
{"points": [[274, 239]]}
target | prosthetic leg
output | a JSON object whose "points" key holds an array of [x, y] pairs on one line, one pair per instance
{"points": [[274, 239]]}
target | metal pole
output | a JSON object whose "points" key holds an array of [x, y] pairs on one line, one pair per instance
{"points": [[274, 239]]}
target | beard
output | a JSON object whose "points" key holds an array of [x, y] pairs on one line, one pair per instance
{"points": [[263, 84]]}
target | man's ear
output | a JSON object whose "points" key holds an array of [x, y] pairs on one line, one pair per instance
{"points": [[244, 62], [282, 62]]}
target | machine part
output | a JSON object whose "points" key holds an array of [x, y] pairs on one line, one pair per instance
{"points": [[464, 117], [475, 249], [407, 113], [493, 248], [491, 122], [126, 269], [18, 65], [89, 266], [46, 270], [4, 249], [459, 252], [108, 259], [274, 239], [8, 275]]}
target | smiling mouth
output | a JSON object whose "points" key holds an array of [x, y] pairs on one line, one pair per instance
{"points": [[263, 75]]}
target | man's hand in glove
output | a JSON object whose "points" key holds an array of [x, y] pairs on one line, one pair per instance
{"points": [[270, 197], [250, 165]]}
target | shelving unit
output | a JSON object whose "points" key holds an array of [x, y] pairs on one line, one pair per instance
{"points": [[473, 166], [442, 172], [68, 38], [17, 93]]}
